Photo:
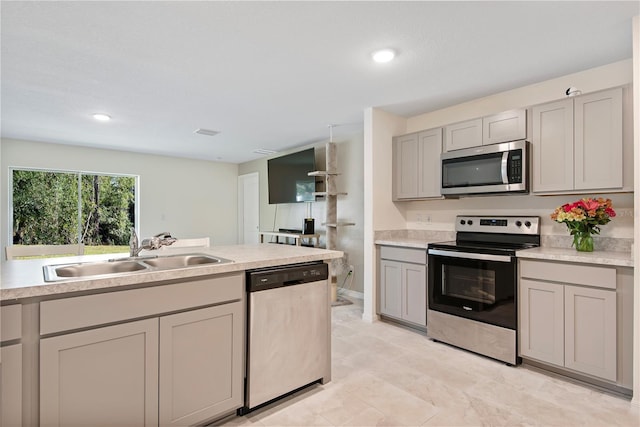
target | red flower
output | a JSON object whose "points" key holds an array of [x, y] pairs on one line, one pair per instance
{"points": [[610, 212]]}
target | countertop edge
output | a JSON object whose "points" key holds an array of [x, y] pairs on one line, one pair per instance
{"points": [[247, 257], [618, 259]]}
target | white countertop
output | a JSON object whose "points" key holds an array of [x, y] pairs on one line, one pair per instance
{"points": [[619, 259], [24, 278], [406, 242]]}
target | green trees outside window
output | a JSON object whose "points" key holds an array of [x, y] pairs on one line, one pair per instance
{"points": [[55, 208]]}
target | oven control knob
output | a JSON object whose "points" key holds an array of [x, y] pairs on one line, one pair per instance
{"points": [[518, 223], [527, 224], [463, 222], [470, 222]]}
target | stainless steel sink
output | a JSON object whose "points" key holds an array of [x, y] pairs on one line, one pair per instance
{"points": [[119, 267], [87, 269], [181, 261]]}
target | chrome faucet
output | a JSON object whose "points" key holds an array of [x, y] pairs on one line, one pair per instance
{"points": [[155, 242]]}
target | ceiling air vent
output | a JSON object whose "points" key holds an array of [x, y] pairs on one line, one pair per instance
{"points": [[264, 151], [207, 132]]}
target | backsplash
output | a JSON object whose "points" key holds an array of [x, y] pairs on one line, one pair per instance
{"points": [[610, 244], [425, 235], [600, 243]]}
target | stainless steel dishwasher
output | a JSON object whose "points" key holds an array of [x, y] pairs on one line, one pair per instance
{"points": [[288, 331]]}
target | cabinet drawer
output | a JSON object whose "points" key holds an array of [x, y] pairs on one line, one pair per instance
{"points": [[92, 310], [415, 256], [11, 321], [587, 275]]}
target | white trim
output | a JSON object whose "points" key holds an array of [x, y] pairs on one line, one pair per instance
{"points": [[636, 203]]}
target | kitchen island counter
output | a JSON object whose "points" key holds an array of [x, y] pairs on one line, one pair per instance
{"points": [[24, 279]]}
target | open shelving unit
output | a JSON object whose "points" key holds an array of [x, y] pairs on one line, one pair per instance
{"points": [[331, 211]]}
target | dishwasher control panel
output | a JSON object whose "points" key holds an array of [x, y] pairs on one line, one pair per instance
{"points": [[286, 275]]}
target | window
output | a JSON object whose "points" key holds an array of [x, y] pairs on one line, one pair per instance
{"points": [[62, 207]]}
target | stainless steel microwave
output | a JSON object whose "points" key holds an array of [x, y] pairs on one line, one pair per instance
{"points": [[495, 168]]}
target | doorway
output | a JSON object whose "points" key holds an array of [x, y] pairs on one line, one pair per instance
{"points": [[248, 208]]}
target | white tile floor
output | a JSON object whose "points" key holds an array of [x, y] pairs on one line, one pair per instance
{"points": [[384, 375]]}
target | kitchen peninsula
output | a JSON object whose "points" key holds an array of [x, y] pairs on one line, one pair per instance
{"points": [[130, 348]]}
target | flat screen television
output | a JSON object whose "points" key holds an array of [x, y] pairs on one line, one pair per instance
{"points": [[288, 177]]}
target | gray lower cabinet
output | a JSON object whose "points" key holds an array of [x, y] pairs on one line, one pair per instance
{"points": [[403, 284], [105, 376], [571, 316], [200, 371], [184, 367], [11, 366]]}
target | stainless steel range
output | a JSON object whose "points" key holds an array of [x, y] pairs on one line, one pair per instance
{"points": [[473, 284]]}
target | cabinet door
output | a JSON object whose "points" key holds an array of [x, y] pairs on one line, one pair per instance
{"points": [[507, 126], [391, 288], [598, 140], [11, 386], [101, 377], [429, 168], [201, 359], [542, 321], [405, 165], [590, 331], [463, 135], [414, 293], [552, 145]]}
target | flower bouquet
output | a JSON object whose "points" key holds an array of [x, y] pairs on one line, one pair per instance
{"points": [[584, 218]]}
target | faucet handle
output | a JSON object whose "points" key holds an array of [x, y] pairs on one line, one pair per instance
{"points": [[163, 235]]}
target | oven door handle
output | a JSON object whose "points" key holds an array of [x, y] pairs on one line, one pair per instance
{"points": [[470, 255]]}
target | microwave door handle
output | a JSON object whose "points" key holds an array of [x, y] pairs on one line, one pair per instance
{"points": [[503, 168], [470, 255]]}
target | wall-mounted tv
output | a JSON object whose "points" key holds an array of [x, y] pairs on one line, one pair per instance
{"points": [[288, 177]]}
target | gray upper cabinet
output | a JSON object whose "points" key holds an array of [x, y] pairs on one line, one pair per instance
{"points": [[598, 140], [502, 127], [463, 135], [577, 143], [416, 165], [553, 146], [405, 167], [507, 126]]}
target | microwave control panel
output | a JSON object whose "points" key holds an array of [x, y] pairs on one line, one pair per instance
{"points": [[515, 167]]}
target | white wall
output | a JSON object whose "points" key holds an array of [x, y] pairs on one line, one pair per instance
{"points": [[189, 198], [350, 207], [380, 212]]}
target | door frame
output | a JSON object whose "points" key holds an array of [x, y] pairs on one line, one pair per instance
{"points": [[241, 216]]}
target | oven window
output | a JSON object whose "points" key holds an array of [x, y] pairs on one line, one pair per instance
{"points": [[476, 289], [469, 284]]}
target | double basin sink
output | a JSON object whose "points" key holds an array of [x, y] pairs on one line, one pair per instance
{"points": [[118, 267]]}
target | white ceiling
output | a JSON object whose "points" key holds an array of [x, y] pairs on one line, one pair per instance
{"points": [[275, 74]]}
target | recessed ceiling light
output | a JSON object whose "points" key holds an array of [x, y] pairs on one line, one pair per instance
{"points": [[102, 117], [383, 55]]}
